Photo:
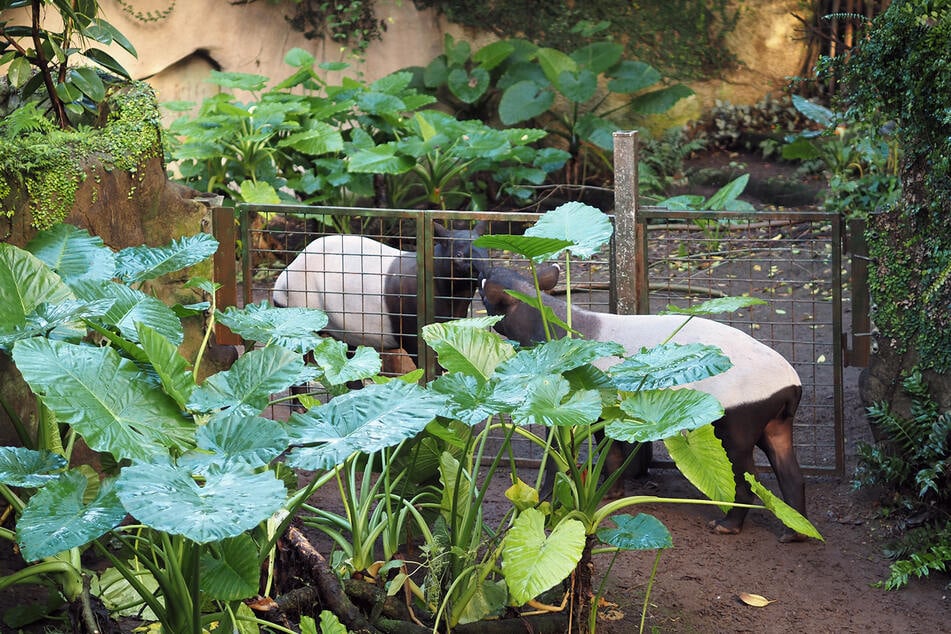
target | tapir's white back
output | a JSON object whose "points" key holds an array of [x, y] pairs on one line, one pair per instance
{"points": [[758, 371], [343, 275]]}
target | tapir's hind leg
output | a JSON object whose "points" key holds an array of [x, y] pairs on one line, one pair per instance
{"points": [[777, 443], [738, 442]]}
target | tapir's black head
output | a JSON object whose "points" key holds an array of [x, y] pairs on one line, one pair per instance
{"points": [[520, 322], [455, 256]]}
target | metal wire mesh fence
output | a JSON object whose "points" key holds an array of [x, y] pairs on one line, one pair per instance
{"points": [[792, 260]]}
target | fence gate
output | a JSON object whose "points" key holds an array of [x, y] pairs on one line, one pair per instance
{"points": [[793, 260]]}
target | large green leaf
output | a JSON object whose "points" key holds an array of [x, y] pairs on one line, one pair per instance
{"points": [[786, 514], [554, 62], [171, 367], [597, 130], [536, 248], [585, 227], [491, 55], [56, 321], [577, 87], [25, 283], [669, 364], [381, 159], [104, 397], [486, 602], [136, 264], [598, 56], [469, 399], [259, 192], [549, 403], [557, 356], [524, 100], [320, 138], [22, 467], [725, 198], [340, 367], [167, 498], [464, 345], [56, 519], [131, 307], [468, 86], [532, 562], [659, 414], [230, 572], [632, 76], [659, 101], [292, 328], [700, 456], [236, 439], [74, 254], [814, 111], [366, 420], [250, 381], [715, 305], [640, 532]]}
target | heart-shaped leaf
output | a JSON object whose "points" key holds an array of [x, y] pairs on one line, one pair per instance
{"points": [[22, 467], [136, 264], [532, 562], [659, 414], [640, 532], [230, 572], [700, 457], [167, 498], [74, 254], [668, 365], [104, 398], [292, 328], [545, 404], [366, 420], [56, 519], [585, 227]]}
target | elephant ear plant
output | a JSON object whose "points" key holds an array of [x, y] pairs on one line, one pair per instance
{"points": [[183, 517]]}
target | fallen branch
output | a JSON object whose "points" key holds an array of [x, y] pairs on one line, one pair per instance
{"points": [[329, 587]]}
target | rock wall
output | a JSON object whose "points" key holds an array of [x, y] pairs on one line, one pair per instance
{"points": [[176, 53]]}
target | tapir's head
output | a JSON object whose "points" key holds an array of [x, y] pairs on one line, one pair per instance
{"points": [[455, 256], [520, 322]]}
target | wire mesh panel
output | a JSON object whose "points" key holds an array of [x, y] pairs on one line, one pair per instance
{"points": [[792, 261]]}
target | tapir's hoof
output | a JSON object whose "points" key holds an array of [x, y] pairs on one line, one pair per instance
{"points": [[721, 528], [616, 492], [791, 536]]}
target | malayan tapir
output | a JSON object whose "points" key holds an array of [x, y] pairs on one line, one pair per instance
{"points": [[760, 393], [369, 289]]}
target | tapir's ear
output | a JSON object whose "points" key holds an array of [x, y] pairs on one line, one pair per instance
{"points": [[547, 276], [495, 296], [440, 231], [481, 227]]}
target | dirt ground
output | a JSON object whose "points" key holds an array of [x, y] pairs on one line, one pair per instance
{"points": [[815, 586]]}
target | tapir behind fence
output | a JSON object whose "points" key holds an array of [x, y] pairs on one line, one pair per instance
{"points": [[759, 394], [369, 289]]}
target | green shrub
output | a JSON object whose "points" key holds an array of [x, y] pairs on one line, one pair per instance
{"points": [[914, 465]]}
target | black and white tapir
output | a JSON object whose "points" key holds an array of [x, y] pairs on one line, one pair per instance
{"points": [[369, 289], [760, 393]]}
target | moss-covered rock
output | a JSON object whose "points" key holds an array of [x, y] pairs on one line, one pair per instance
{"points": [[42, 169]]}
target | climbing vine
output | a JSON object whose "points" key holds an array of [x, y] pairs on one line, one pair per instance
{"points": [[147, 16], [900, 75]]}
